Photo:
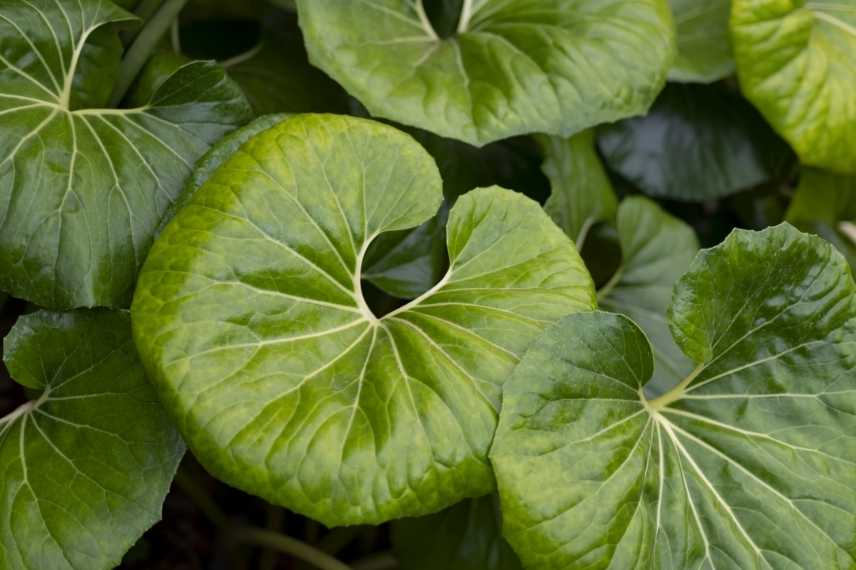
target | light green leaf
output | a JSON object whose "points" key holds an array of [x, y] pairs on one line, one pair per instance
{"points": [[698, 143], [657, 249], [250, 315], [704, 43], [823, 197], [82, 188], [87, 464], [581, 194], [511, 67], [747, 463], [464, 537], [795, 63]]}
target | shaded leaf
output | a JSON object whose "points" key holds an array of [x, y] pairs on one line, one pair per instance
{"points": [[704, 42], [87, 464], [250, 314]]}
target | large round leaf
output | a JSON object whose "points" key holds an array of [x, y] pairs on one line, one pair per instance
{"points": [[796, 63], [698, 143], [86, 465], [747, 463], [511, 67], [82, 187], [250, 316]]}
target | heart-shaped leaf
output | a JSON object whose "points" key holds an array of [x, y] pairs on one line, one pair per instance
{"points": [[250, 315], [581, 194], [510, 67], [746, 463], [464, 537], [82, 187], [795, 63], [704, 43], [698, 143], [656, 250], [86, 465]]}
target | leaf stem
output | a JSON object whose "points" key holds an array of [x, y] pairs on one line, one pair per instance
{"points": [[426, 23], [140, 51], [379, 561], [201, 499], [604, 291], [144, 11], [288, 545], [466, 14], [675, 393]]}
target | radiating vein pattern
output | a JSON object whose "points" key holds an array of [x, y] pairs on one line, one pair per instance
{"points": [[251, 316], [512, 67], [83, 187], [87, 464], [749, 462]]}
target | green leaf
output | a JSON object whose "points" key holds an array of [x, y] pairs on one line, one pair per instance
{"points": [[250, 316], [511, 67], [82, 188], [704, 43], [823, 197], [697, 143], [464, 537], [795, 63], [656, 251], [86, 465], [581, 194], [747, 463]]}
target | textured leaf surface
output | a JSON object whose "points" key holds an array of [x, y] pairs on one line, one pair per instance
{"points": [[656, 251], [82, 188], [250, 315], [581, 194], [697, 143], [797, 63], [511, 67], [86, 466], [704, 43], [747, 463], [464, 537]]}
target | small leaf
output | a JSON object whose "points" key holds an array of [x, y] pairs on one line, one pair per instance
{"points": [[250, 315], [83, 188], [86, 466], [656, 250], [746, 463], [464, 537], [511, 67], [795, 63], [581, 194], [704, 43], [697, 143]]}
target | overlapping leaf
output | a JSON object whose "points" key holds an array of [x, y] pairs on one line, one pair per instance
{"points": [[704, 43], [746, 463], [249, 313], [87, 464], [796, 63], [510, 67], [83, 187]]}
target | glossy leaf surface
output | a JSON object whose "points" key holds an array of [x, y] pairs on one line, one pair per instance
{"points": [[83, 187], [87, 464], [509, 68], [250, 315], [747, 463]]}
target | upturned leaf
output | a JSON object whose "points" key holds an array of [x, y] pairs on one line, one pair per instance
{"points": [[796, 63], [250, 315], [509, 67], [746, 463], [83, 187], [87, 464]]}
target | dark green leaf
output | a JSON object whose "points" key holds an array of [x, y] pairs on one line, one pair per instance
{"points": [[87, 464], [697, 143], [746, 463], [83, 189]]}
